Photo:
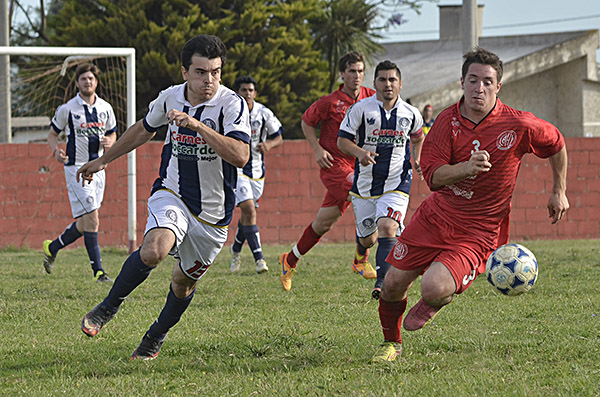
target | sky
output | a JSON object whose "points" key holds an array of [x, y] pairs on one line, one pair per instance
{"points": [[525, 16]]}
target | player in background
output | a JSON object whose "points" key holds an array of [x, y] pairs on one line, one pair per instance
{"points": [[193, 198], [90, 126], [336, 168], [377, 131], [266, 135], [428, 118], [470, 161]]}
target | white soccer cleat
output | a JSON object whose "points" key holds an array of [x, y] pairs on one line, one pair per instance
{"points": [[261, 266], [236, 261]]}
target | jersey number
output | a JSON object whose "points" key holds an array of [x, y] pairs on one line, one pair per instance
{"points": [[476, 145], [395, 215], [198, 270]]}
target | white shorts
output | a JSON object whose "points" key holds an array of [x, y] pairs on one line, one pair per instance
{"points": [[248, 189], [84, 199], [197, 243], [367, 211]]}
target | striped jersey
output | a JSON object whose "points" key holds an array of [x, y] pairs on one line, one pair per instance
{"points": [[264, 126], [189, 167], [475, 207], [330, 110], [386, 133], [84, 125]]}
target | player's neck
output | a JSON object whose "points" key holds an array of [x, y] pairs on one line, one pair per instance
{"points": [[89, 99], [350, 92]]}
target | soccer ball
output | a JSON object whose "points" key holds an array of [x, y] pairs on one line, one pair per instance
{"points": [[512, 269]]}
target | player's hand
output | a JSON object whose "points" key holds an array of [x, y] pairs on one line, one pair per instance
{"points": [[557, 206], [88, 170], [60, 156], [182, 119], [366, 158], [324, 158], [263, 147], [479, 162], [417, 165], [106, 142]]}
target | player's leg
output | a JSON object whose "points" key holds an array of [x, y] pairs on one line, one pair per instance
{"points": [[386, 240], [51, 247], [89, 223], [366, 233], [252, 235]]}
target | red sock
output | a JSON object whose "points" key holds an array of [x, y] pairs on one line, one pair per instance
{"points": [[308, 240], [390, 316]]}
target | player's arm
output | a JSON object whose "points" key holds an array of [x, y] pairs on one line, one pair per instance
{"points": [[350, 148], [323, 157], [108, 140], [558, 203], [234, 151], [416, 142], [269, 144], [57, 152], [134, 136], [449, 174]]}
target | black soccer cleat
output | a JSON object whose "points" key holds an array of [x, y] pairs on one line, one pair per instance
{"points": [[148, 349]]}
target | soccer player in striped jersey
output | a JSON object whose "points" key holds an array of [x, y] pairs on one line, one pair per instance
{"points": [[377, 131], [470, 160], [192, 200], [90, 126], [266, 135], [336, 168]]}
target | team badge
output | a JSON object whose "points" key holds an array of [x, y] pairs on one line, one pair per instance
{"points": [[350, 177], [90, 200], [243, 190], [506, 140], [368, 223], [455, 125], [404, 123], [255, 124], [171, 215], [103, 116], [400, 250], [209, 123]]}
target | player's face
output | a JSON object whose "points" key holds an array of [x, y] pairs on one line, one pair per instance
{"points": [[248, 92], [388, 85], [353, 75], [480, 88], [427, 113], [203, 77], [87, 83]]}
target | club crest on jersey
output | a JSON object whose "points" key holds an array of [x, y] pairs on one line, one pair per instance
{"points": [[404, 123], [255, 124], [210, 123], [103, 116], [506, 140], [455, 125], [350, 177], [368, 223], [400, 250], [171, 215]]}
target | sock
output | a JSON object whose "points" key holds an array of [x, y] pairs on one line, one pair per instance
{"points": [[132, 274], [309, 239], [240, 237], [93, 249], [67, 237], [385, 246], [170, 314], [253, 237], [390, 316]]}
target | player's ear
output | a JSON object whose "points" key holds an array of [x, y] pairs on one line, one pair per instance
{"points": [[184, 73]]}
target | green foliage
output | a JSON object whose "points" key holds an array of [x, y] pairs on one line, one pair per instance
{"points": [[242, 335]]}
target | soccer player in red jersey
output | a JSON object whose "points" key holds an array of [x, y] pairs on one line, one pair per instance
{"points": [[470, 161], [337, 168]]}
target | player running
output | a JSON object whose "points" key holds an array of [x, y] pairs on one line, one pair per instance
{"points": [[381, 126], [90, 125], [470, 160], [336, 168], [266, 135]]}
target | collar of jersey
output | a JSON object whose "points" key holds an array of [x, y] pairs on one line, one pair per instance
{"points": [[210, 102], [82, 102]]}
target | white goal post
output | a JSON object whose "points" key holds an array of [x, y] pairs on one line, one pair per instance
{"points": [[129, 55]]}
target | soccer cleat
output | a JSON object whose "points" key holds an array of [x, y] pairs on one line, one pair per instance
{"points": [[236, 260], [388, 351], [48, 257], [261, 266], [148, 349], [102, 277], [364, 268], [376, 293], [96, 318], [287, 272], [419, 315]]}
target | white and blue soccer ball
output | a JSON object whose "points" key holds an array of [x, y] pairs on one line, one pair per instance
{"points": [[512, 269]]}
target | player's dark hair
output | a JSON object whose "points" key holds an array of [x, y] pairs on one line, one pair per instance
{"points": [[86, 67], [387, 65], [204, 45], [244, 80], [483, 57], [348, 59]]}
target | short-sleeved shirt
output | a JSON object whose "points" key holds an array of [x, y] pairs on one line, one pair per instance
{"points": [[330, 110], [427, 126], [386, 133], [264, 126], [189, 167], [475, 208], [84, 125]]}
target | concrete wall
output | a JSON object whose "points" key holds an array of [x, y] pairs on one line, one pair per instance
{"points": [[34, 203]]}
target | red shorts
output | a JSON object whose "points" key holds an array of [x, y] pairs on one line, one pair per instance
{"points": [[338, 181]]}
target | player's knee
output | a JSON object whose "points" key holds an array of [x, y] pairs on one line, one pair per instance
{"points": [[437, 293], [152, 255]]}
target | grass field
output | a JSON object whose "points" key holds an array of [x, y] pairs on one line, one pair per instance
{"points": [[243, 335]]}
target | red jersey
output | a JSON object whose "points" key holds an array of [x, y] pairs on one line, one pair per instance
{"points": [[330, 110], [474, 208]]}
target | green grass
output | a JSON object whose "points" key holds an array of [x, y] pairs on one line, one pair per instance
{"points": [[243, 335]]}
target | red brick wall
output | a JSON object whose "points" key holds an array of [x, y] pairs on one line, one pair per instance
{"points": [[35, 204]]}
